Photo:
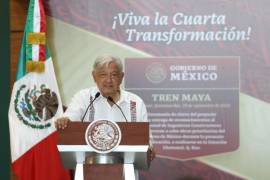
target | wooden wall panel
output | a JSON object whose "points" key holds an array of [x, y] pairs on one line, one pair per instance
{"points": [[15, 44], [17, 13]]}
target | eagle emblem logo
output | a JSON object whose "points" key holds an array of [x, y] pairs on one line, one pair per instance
{"points": [[36, 106]]}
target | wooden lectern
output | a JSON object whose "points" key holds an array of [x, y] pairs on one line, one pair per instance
{"points": [[132, 153]]}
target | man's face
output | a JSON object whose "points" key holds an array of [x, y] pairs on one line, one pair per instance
{"points": [[108, 79]]}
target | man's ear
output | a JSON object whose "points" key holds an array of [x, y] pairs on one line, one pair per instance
{"points": [[94, 75], [122, 76]]}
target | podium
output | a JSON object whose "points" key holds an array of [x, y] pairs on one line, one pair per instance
{"points": [[132, 152]]}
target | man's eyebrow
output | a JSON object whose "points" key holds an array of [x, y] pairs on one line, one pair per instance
{"points": [[100, 71]]}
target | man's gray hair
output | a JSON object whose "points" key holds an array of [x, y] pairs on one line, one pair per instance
{"points": [[106, 60]]}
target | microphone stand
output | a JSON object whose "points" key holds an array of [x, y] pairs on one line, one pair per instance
{"points": [[96, 96]]}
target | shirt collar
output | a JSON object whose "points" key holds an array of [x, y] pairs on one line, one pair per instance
{"points": [[124, 98]]}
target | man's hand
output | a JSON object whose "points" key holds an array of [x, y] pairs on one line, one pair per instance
{"points": [[152, 153], [61, 123]]}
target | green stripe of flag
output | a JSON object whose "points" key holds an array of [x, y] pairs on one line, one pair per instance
{"points": [[22, 60], [48, 54], [26, 49], [29, 27]]}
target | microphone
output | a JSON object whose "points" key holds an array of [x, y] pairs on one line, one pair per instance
{"points": [[96, 96], [111, 99]]}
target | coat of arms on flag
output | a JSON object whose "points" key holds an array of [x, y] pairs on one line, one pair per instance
{"points": [[35, 107], [35, 104]]}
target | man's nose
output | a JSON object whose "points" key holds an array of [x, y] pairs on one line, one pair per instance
{"points": [[109, 78]]}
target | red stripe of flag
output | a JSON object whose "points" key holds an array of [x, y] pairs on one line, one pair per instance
{"points": [[42, 47], [37, 162]]}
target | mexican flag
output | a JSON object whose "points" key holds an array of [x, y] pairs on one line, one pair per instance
{"points": [[35, 104]]}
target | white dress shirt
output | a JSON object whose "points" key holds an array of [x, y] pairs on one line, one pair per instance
{"points": [[132, 106]]}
